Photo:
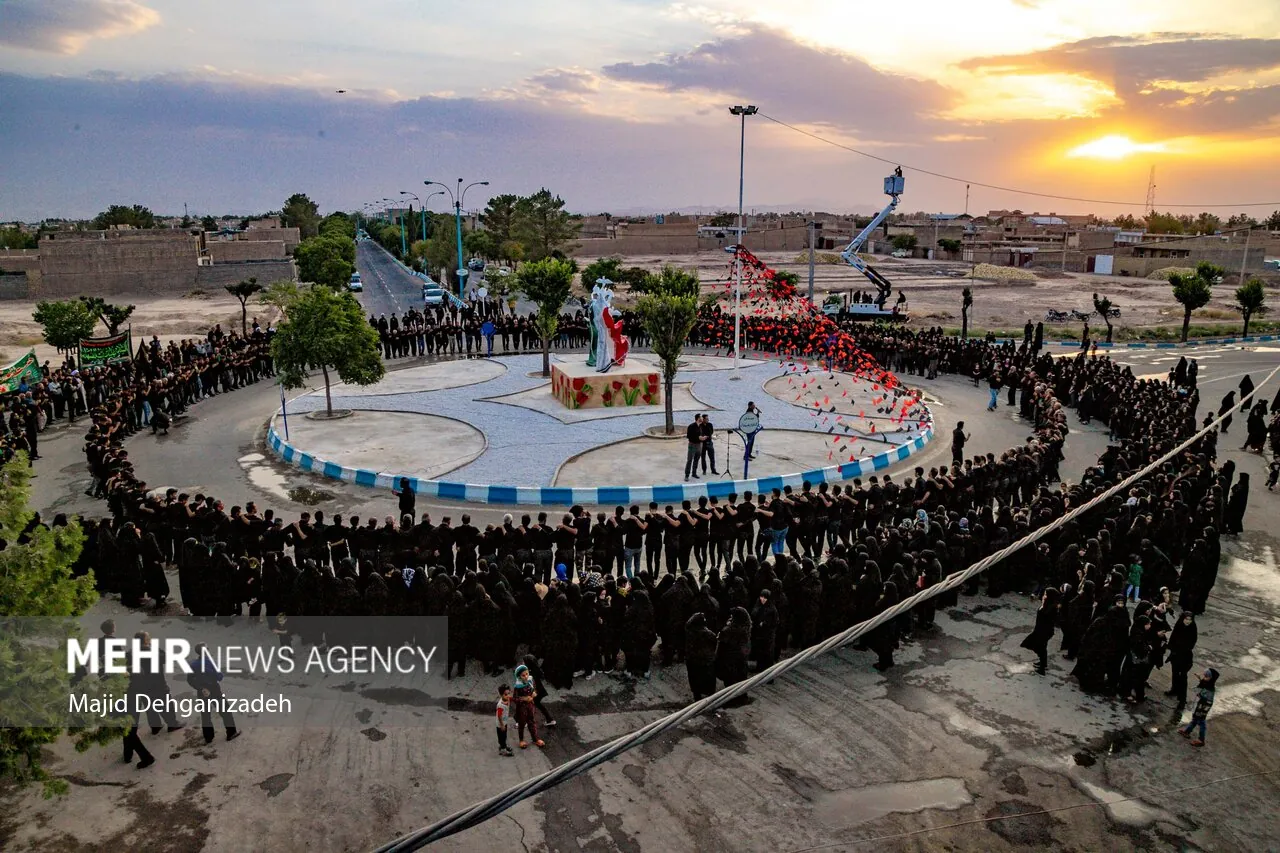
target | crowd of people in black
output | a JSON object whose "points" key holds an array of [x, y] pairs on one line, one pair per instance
{"points": [[721, 585]]}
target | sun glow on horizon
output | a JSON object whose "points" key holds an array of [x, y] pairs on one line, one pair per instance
{"points": [[1115, 147]]}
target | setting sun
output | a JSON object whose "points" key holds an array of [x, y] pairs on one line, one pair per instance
{"points": [[1114, 148]]}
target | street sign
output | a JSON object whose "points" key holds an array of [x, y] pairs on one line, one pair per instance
{"points": [[749, 423]]}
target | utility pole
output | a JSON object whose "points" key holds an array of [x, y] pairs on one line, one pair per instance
{"points": [[1244, 261], [966, 199], [1064, 247], [742, 112], [812, 253], [933, 252]]}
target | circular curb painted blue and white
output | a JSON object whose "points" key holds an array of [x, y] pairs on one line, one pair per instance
{"points": [[599, 495]]}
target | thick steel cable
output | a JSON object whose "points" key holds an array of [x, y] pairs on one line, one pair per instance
{"points": [[496, 805]]}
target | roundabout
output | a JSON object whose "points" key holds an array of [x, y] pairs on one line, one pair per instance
{"points": [[495, 431]]}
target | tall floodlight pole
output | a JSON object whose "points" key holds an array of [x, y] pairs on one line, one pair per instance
{"points": [[742, 112], [456, 198]]}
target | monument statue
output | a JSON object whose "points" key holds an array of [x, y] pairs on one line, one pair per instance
{"points": [[609, 346]]}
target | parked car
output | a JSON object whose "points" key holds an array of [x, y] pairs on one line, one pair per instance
{"points": [[432, 294], [355, 285]]}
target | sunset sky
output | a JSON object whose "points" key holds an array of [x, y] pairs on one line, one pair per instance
{"points": [[621, 105]]}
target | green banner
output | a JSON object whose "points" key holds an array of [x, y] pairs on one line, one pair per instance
{"points": [[25, 368], [96, 351]]}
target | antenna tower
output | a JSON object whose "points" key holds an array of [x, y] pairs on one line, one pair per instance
{"points": [[1151, 191]]}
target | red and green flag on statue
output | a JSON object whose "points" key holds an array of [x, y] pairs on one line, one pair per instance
{"points": [[108, 350], [25, 369]]}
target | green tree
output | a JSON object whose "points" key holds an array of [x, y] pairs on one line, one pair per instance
{"points": [[301, 212], [951, 247], [670, 280], [112, 316], [610, 268], [136, 216], [479, 244], [326, 329], [280, 295], [1212, 273], [65, 322], [338, 224], [668, 317], [1250, 300], [1206, 223], [208, 223], [243, 290], [546, 283], [904, 242], [1193, 291], [328, 260], [1164, 223], [1103, 306], [966, 302], [511, 251], [36, 582], [1127, 222], [1240, 220], [16, 238], [723, 219], [1273, 221], [542, 224], [499, 217]]}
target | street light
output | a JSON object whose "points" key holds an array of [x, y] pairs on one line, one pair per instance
{"points": [[424, 212], [457, 221], [742, 112]]}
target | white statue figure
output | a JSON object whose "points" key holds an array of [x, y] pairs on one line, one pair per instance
{"points": [[601, 298]]}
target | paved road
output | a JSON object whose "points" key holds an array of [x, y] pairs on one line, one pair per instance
{"points": [[388, 288]]}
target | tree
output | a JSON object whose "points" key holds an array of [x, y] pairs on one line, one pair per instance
{"points": [[326, 329], [542, 224], [610, 268], [301, 212], [480, 244], [904, 242], [1273, 221], [112, 316], [208, 223], [16, 238], [1212, 273], [280, 295], [1127, 222], [951, 247], [511, 251], [1164, 223], [136, 216], [338, 224], [499, 217], [1193, 292], [1206, 223], [668, 317], [546, 283], [36, 582], [329, 260], [670, 280], [65, 323], [723, 219], [242, 290], [1103, 307], [966, 302], [1250, 300], [1240, 220]]}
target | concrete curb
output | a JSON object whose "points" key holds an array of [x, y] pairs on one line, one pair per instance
{"points": [[593, 496], [1207, 342]]}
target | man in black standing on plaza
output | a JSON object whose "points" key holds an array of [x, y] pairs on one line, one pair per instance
{"points": [[708, 445], [958, 438], [693, 433]]}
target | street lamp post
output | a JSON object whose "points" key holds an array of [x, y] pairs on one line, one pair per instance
{"points": [[742, 112], [457, 222], [424, 211]]}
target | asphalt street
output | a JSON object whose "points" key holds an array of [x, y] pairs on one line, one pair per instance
{"points": [[388, 289]]}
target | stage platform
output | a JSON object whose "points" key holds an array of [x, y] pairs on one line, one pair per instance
{"points": [[636, 385]]}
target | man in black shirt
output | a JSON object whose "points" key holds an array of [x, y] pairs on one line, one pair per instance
{"points": [[708, 445], [407, 497], [564, 536], [693, 434], [632, 541], [654, 524], [958, 438], [540, 538]]}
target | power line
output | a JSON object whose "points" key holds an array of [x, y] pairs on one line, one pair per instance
{"points": [[496, 805], [969, 181]]}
